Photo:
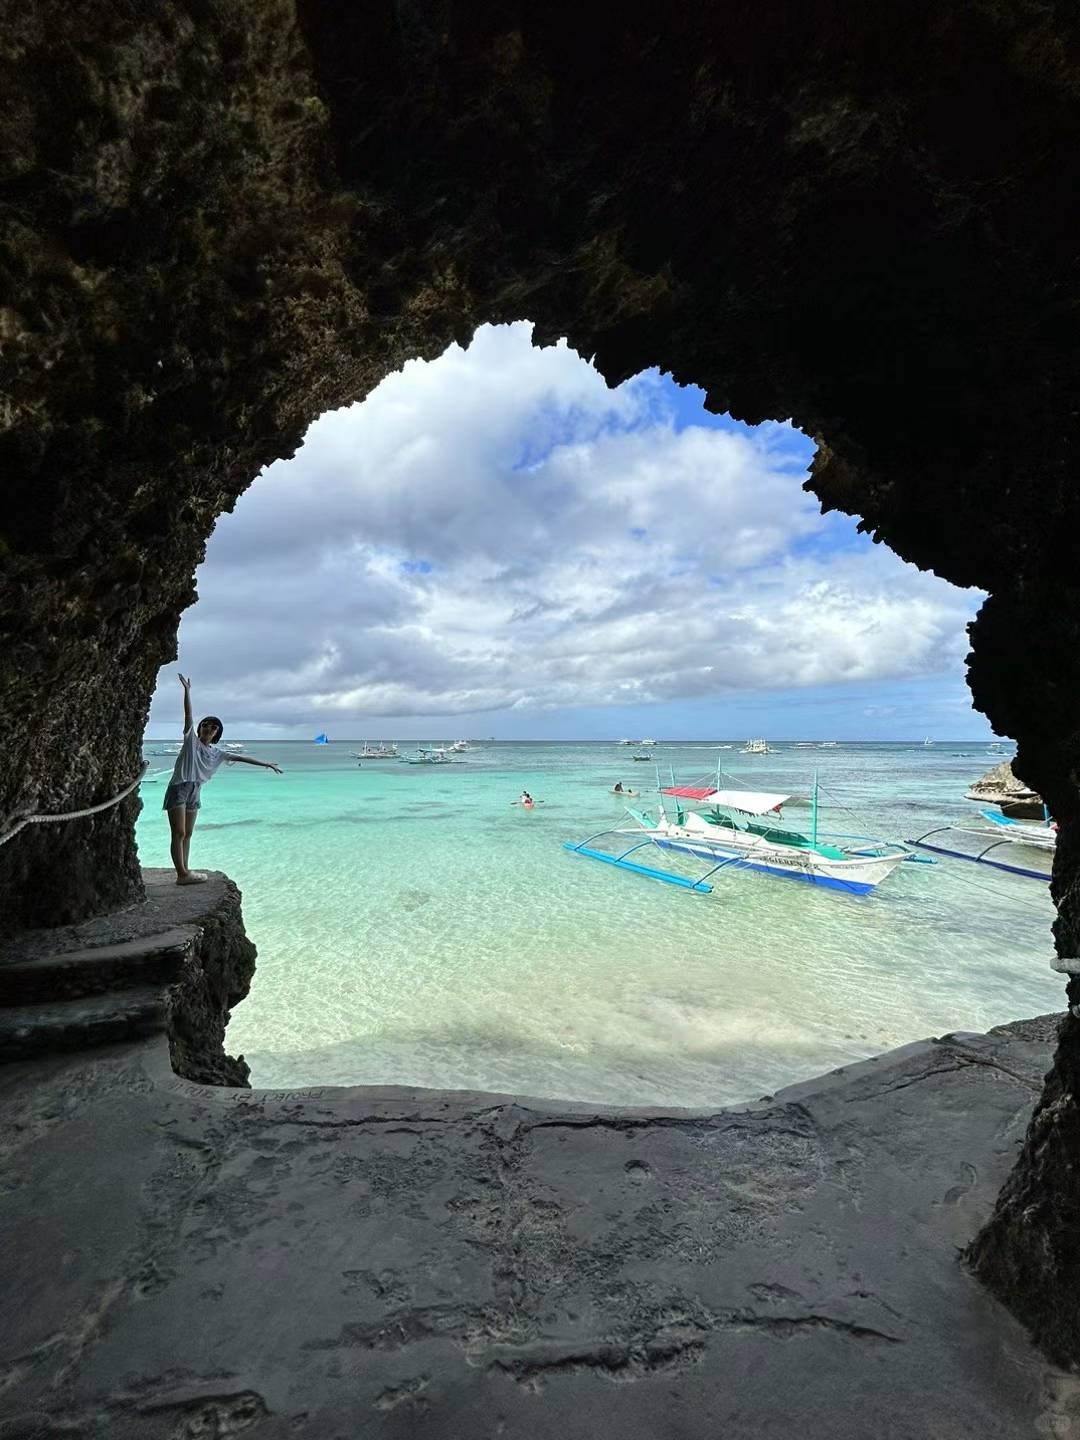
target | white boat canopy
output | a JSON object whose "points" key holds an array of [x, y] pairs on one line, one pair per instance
{"points": [[749, 802]]}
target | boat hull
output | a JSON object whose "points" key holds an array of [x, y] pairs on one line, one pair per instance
{"points": [[857, 876]]}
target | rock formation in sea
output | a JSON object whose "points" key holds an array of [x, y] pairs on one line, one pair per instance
{"points": [[220, 220], [1001, 786]]}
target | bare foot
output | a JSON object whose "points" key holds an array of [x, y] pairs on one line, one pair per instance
{"points": [[191, 878]]}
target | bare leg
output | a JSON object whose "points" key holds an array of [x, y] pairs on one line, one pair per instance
{"points": [[181, 823], [178, 828], [190, 816]]}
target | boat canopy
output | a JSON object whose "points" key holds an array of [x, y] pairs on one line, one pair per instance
{"points": [[749, 802]]}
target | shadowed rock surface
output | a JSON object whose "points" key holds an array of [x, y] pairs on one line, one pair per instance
{"points": [[176, 962], [222, 217], [391, 1262]]}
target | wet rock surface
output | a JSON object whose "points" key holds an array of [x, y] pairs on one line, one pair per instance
{"points": [[340, 1262]]}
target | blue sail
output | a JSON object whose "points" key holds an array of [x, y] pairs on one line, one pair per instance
{"points": [[321, 740]]}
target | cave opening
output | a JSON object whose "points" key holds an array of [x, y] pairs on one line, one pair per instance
{"points": [[495, 543], [219, 225]]}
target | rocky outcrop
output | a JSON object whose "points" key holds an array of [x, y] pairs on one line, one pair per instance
{"points": [[1029, 1251], [1002, 787], [215, 977], [177, 962], [222, 217]]}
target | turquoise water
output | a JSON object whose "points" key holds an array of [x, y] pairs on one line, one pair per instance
{"points": [[414, 927]]}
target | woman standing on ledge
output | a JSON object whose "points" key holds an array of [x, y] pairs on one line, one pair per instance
{"points": [[199, 758]]}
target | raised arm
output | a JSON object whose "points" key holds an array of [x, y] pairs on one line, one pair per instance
{"points": [[248, 760], [186, 683]]}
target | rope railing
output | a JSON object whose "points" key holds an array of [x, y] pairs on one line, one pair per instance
{"points": [[13, 830]]}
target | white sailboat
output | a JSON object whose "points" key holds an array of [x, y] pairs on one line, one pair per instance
{"points": [[757, 747]]}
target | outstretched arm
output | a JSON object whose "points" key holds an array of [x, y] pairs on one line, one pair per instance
{"points": [[186, 683], [247, 760]]}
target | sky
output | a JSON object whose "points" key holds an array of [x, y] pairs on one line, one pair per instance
{"points": [[495, 543]]}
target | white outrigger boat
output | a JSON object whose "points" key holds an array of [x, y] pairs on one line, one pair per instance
{"points": [[380, 751], [1000, 830], [428, 755], [741, 828]]}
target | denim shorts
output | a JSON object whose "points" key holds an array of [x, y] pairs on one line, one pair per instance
{"points": [[182, 794]]}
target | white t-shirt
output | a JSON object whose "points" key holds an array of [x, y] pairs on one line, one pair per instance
{"points": [[196, 761]]}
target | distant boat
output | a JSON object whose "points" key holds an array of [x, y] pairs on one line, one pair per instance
{"points": [[428, 755], [322, 740], [927, 742], [235, 746], [627, 742], [757, 747], [806, 745], [381, 751], [646, 742], [646, 758], [830, 745]]}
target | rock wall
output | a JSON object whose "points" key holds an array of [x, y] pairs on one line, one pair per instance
{"points": [[214, 979], [222, 217], [176, 963], [1025, 674]]}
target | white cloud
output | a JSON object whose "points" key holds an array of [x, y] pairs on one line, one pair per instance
{"points": [[497, 529]]}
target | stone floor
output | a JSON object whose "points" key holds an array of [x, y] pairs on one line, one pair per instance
{"points": [[181, 1261]]}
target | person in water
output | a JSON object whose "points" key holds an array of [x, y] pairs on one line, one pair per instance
{"points": [[197, 762], [526, 798], [618, 787]]}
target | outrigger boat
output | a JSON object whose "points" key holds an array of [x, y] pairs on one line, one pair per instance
{"points": [[381, 751], [740, 828], [1001, 830], [428, 755]]}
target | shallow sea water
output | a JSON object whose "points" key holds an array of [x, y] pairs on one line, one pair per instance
{"points": [[414, 927]]}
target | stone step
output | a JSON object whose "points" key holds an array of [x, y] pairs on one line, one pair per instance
{"points": [[96, 971], [27, 1030]]}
